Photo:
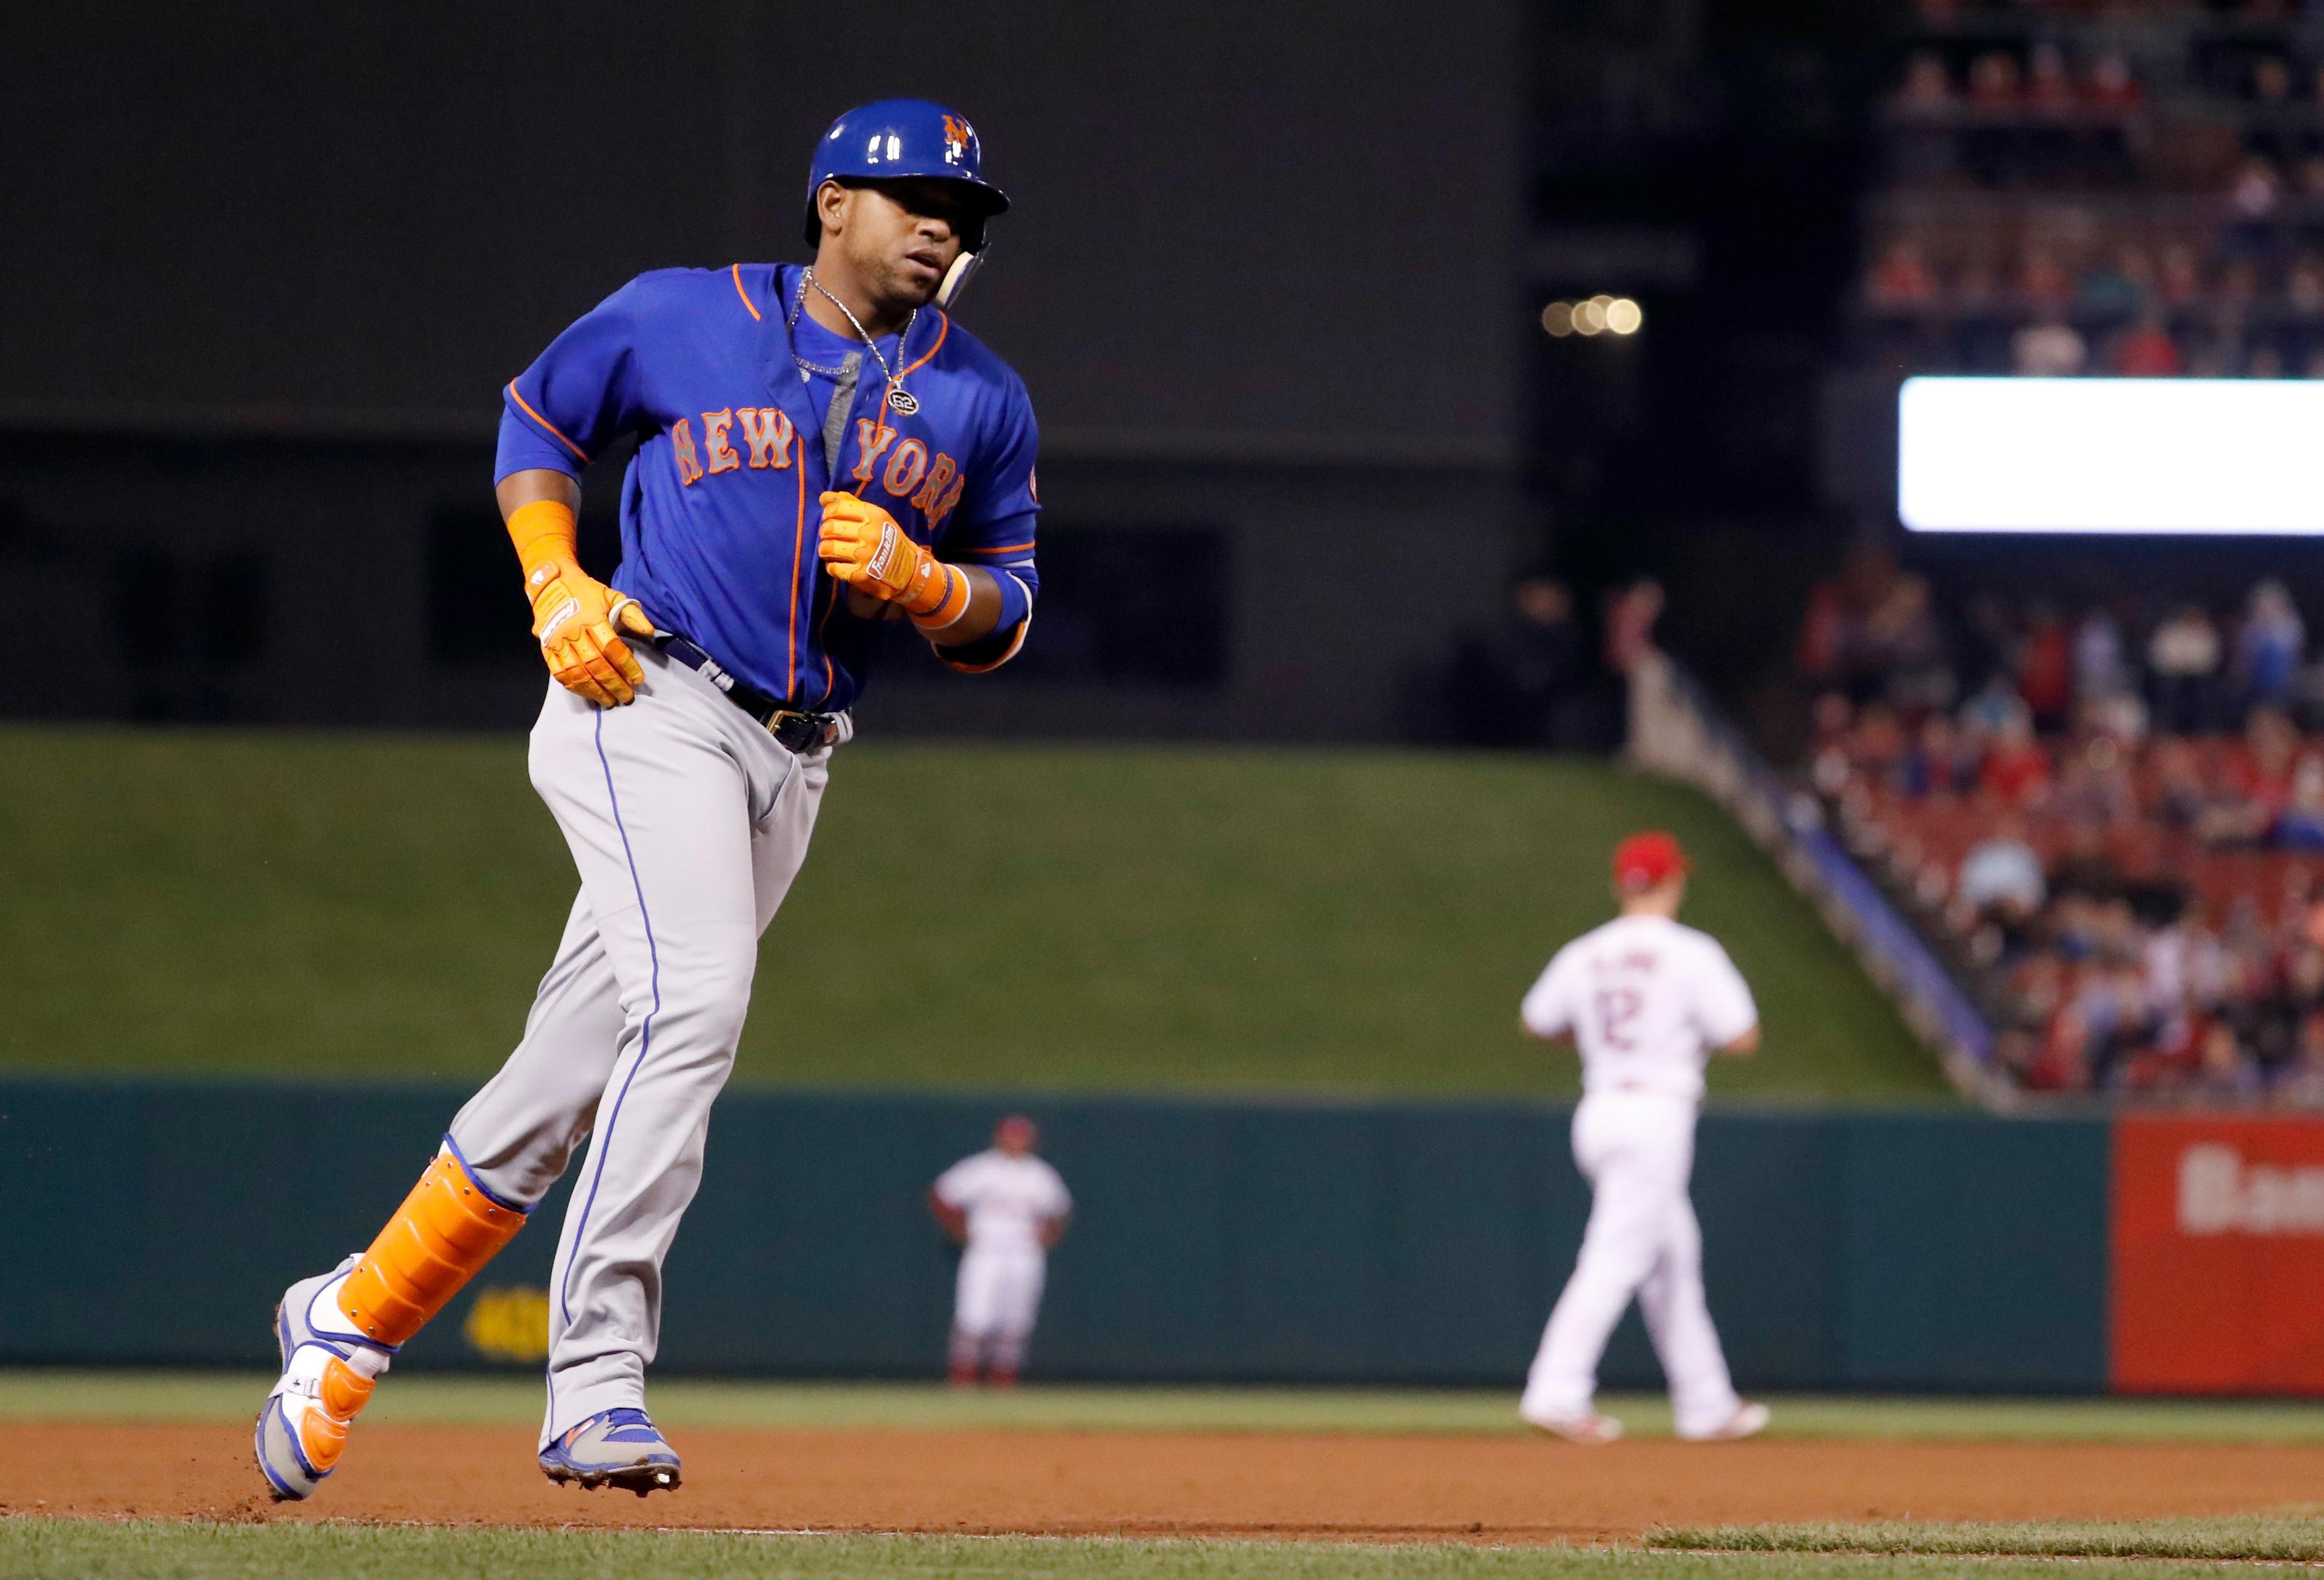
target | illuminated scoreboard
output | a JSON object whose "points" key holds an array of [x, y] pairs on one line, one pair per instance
{"points": [[2107, 455]]}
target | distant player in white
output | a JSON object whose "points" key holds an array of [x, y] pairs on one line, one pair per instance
{"points": [[1647, 1001], [1008, 1209]]}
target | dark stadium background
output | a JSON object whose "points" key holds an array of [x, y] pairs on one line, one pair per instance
{"points": [[1285, 283], [1273, 282]]}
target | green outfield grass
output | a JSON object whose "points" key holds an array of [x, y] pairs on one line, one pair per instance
{"points": [[1114, 918], [2296, 1537], [137, 1550], [681, 1402], [157, 1551]]}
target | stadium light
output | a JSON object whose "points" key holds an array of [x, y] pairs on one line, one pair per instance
{"points": [[1600, 315]]}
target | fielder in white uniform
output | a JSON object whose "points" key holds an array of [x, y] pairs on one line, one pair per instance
{"points": [[1647, 1001], [1009, 1209]]}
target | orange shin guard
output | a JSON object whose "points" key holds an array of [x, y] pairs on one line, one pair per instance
{"points": [[444, 1232]]}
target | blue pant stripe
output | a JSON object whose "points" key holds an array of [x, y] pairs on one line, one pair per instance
{"points": [[604, 1143]]}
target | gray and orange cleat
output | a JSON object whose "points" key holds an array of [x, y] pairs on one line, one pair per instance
{"points": [[1590, 1428], [613, 1448], [327, 1376], [1750, 1419]]}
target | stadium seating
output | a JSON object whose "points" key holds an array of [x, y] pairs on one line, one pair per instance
{"points": [[2140, 911], [2134, 189]]}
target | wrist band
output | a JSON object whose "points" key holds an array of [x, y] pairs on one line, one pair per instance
{"points": [[543, 530], [956, 599]]}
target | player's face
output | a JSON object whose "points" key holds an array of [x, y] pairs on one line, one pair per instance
{"points": [[900, 236]]}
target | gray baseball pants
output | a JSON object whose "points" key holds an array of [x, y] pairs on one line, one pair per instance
{"points": [[688, 821]]}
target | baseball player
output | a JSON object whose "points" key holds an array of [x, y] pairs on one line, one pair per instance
{"points": [[820, 450], [1009, 1209], [1647, 1000]]}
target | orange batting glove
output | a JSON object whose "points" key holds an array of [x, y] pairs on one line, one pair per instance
{"points": [[574, 615], [862, 546]]}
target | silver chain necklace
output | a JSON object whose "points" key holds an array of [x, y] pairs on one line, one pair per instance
{"points": [[899, 398]]}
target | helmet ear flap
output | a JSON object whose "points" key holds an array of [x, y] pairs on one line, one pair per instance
{"points": [[957, 278]]}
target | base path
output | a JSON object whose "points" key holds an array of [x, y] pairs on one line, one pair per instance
{"points": [[1177, 1483]]}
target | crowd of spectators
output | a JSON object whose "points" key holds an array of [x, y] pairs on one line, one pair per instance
{"points": [[2115, 823], [2082, 189], [1876, 634]]}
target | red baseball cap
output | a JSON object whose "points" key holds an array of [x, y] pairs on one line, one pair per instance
{"points": [[1644, 860]]}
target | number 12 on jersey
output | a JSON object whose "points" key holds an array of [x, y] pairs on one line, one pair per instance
{"points": [[1616, 1008]]}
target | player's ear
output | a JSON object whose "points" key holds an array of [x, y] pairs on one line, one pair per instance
{"points": [[831, 200]]}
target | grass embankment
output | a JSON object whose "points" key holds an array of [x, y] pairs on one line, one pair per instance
{"points": [[1111, 919]]}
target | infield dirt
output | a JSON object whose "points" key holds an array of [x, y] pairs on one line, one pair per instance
{"points": [[1176, 1483]]}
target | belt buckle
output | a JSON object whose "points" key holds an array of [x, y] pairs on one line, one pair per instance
{"points": [[799, 730]]}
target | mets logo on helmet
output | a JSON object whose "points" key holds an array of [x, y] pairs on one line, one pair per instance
{"points": [[957, 134]]}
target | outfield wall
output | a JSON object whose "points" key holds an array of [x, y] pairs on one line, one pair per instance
{"points": [[156, 1222]]}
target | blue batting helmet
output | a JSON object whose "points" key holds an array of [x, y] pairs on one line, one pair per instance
{"points": [[902, 139]]}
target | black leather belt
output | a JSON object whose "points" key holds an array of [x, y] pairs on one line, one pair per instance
{"points": [[792, 729]]}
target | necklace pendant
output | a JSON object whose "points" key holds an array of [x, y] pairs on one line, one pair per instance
{"points": [[903, 401]]}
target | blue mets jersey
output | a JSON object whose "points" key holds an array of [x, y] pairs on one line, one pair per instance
{"points": [[719, 511]]}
